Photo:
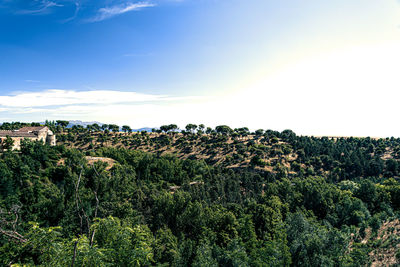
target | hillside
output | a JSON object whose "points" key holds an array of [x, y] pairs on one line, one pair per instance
{"points": [[200, 198], [264, 150]]}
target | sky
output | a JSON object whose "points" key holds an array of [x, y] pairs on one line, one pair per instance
{"points": [[315, 67]]}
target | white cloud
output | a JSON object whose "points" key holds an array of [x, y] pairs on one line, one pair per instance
{"points": [[119, 107], [42, 8], [108, 12], [77, 8], [106, 106], [56, 97]]}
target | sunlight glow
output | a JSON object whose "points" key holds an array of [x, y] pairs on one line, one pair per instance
{"points": [[345, 93]]}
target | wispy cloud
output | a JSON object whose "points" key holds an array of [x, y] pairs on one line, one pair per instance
{"points": [[109, 12], [104, 105], [77, 8], [57, 97], [90, 11], [41, 8]]}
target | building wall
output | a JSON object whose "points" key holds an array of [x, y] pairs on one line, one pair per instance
{"points": [[42, 135], [51, 140], [18, 141]]}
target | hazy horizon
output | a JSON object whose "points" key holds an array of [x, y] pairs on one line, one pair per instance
{"points": [[313, 67]]}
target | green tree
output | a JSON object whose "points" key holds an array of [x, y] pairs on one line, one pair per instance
{"points": [[8, 143], [124, 244], [165, 247], [223, 129], [62, 123], [126, 129], [113, 127], [191, 127]]}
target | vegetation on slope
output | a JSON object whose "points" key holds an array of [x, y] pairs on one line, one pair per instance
{"points": [[130, 200]]}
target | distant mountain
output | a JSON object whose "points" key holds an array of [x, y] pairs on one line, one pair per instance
{"points": [[82, 123], [146, 129]]}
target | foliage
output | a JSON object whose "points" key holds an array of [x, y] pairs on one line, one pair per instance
{"points": [[226, 198]]}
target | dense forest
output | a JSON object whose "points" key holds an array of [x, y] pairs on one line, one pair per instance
{"points": [[107, 196]]}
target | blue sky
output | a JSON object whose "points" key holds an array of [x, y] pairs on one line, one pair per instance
{"points": [[317, 67]]}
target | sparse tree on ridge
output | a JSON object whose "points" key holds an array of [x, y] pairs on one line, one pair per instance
{"points": [[126, 129], [259, 132], [223, 129], [200, 129], [164, 128], [95, 127], [113, 127], [169, 128], [173, 127], [191, 127], [104, 127]]}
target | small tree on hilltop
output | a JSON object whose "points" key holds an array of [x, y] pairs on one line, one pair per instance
{"points": [[200, 129], [173, 127], [169, 128], [113, 127], [191, 127], [223, 129], [164, 128], [126, 129], [104, 127]]}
